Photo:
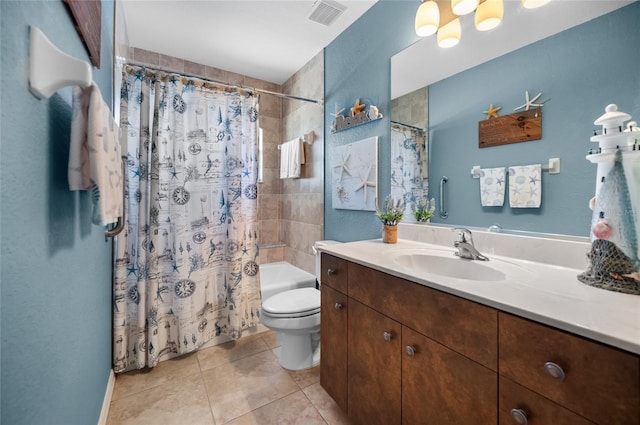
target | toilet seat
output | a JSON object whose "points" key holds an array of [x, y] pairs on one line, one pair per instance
{"points": [[293, 303]]}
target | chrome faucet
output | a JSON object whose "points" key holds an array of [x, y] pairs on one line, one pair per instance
{"points": [[466, 248]]}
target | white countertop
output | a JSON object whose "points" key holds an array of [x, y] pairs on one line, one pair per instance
{"points": [[548, 294]]}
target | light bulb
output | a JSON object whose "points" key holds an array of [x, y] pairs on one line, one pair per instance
{"points": [[463, 7], [449, 35], [427, 18], [489, 15], [532, 4]]}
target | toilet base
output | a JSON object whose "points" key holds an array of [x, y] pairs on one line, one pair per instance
{"points": [[299, 352]]}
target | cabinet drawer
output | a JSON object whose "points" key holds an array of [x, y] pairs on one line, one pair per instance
{"points": [[600, 383], [469, 328], [538, 410], [334, 272]]}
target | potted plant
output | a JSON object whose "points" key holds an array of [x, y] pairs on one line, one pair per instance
{"points": [[390, 215], [423, 209]]}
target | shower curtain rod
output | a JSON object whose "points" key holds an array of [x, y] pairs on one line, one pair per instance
{"points": [[223, 83], [407, 125]]}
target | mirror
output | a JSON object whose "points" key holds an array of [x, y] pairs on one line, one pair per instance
{"points": [[497, 67], [409, 164]]}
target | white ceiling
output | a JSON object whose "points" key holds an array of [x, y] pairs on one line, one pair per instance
{"points": [[424, 63], [264, 39]]}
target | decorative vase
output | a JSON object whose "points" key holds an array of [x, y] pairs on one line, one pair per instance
{"points": [[389, 234]]}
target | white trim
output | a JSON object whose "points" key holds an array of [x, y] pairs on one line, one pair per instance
{"points": [[104, 413]]}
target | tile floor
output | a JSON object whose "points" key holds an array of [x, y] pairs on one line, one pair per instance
{"points": [[237, 383]]}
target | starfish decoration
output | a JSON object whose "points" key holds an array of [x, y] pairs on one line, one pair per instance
{"points": [[357, 108], [492, 112], [338, 112], [530, 102], [365, 183], [343, 165]]}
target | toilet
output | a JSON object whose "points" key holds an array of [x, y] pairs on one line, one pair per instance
{"points": [[294, 315]]}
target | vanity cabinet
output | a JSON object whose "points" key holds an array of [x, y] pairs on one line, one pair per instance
{"points": [[598, 382], [402, 353], [333, 328]]}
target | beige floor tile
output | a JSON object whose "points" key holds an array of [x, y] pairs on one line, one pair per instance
{"points": [[231, 351], [294, 409], [166, 371], [270, 338], [246, 384], [181, 401], [306, 377], [325, 405]]}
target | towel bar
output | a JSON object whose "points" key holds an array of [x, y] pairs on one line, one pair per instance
{"points": [[307, 138], [553, 168], [50, 69]]}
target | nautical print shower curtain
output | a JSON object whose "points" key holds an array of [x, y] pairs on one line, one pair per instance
{"points": [[408, 165], [187, 262]]}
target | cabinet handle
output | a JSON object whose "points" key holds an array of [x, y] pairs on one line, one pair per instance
{"points": [[387, 336], [411, 350], [331, 272], [338, 306], [554, 370], [519, 416]]}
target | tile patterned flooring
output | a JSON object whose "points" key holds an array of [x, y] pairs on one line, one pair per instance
{"points": [[237, 383]]}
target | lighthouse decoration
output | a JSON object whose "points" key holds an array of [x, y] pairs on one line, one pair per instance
{"points": [[613, 258]]}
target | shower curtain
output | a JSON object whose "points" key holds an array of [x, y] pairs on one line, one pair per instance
{"points": [[409, 177], [186, 265]]}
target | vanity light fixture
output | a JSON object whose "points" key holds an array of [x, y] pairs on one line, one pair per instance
{"points": [[449, 34], [442, 16], [533, 4], [427, 18], [489, 15], [463, 7]]}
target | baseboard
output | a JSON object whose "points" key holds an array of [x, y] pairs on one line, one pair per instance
{"points": [[107, 398]]}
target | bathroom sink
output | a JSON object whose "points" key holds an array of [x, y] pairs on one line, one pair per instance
{"points": [[449, 266]]}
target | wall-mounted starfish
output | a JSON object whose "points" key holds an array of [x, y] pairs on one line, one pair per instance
{"points": [[338, 112], [365, 183], [529, 103], [342, 164], [492, 112], [357, 108]]}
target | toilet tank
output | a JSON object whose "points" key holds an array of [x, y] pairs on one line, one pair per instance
{"points": [[316, 246]]}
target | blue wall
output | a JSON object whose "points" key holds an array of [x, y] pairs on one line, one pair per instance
{"points": [[571, 68], [357, 66], [56, 273]]}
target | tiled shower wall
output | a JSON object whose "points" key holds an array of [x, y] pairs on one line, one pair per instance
{"points": [[302, 216], [290, 212]]}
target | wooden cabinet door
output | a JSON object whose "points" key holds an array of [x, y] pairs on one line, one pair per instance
{"points": [[333, 344], [538, 410], [374, 367], [440, 386]]}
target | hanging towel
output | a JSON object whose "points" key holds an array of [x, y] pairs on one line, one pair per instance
{"points": [[94, 154], [525, 186], [492, 183], [291, 159]]}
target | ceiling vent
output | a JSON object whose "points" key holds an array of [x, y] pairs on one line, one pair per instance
{"points": [[325, 12]]}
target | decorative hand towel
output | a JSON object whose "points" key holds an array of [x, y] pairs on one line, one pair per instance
{"points": [[492, 183], [94, 154], [525, 186], [291, 158]]}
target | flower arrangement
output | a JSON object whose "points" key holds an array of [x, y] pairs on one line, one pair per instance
{"points": [[423, 209], [392, 211]]}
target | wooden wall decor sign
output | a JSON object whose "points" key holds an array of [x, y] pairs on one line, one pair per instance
{"points": [[88, 16], [518, 127]]}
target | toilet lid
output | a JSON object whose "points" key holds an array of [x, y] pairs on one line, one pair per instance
{"points": [[293, 303]]}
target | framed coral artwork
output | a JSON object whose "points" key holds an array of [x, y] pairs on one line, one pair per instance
{"points": [[354, 175]]}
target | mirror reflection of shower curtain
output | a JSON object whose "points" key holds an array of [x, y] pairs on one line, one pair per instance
{"points": [[187, 263], [409, 177]]}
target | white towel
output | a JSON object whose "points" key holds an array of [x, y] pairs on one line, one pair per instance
{"points": [[291, 159], [492, 183], [525, 186], [94, 154]]}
